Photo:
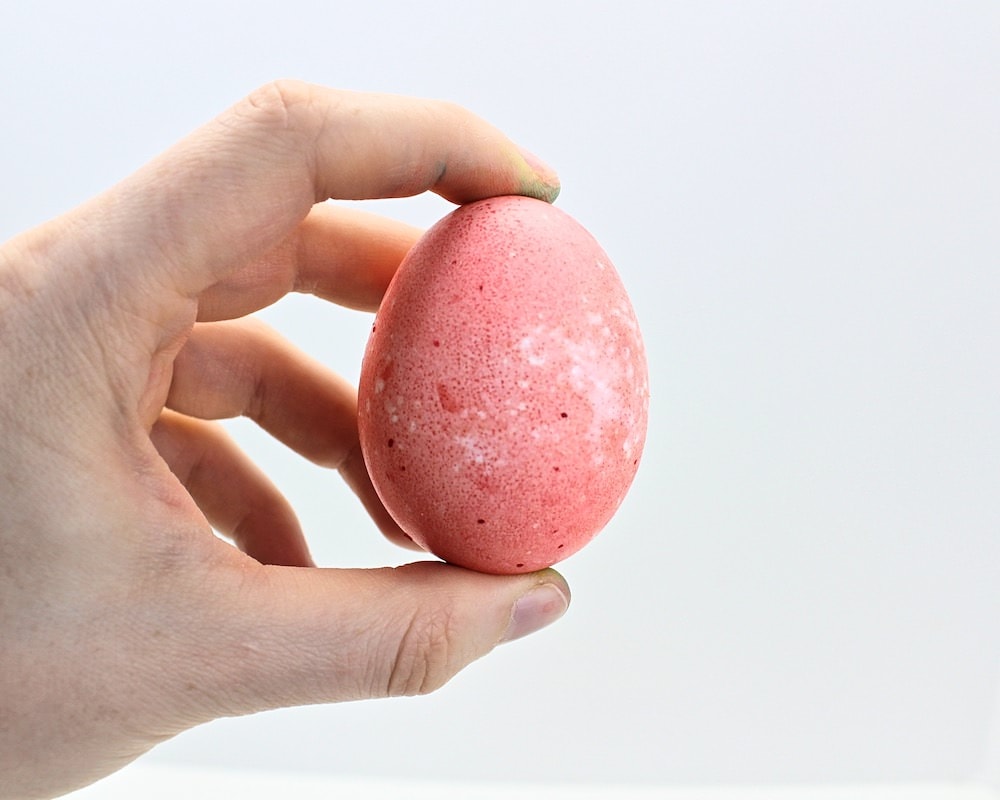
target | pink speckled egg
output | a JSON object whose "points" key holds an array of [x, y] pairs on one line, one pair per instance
{"points": [[504, 391]]}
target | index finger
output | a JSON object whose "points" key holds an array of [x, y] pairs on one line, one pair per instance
{"points": [[235, 188]]}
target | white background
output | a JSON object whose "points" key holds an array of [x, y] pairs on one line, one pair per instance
{"points": [[803, 199]]}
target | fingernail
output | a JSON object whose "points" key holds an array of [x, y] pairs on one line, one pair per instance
{"points": [[546, 183], [533, 611]]}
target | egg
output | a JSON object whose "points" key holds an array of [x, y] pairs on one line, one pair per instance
{"points": [[503, 398]]}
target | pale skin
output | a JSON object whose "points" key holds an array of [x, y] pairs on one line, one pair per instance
{"points": [[124, 619]]}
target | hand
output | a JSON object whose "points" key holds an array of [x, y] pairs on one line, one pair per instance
{"points": [[123, 619]]}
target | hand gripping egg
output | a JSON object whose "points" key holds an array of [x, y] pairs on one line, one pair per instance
{"points": [[504, 391]]}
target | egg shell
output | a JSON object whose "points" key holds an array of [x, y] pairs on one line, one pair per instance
{"points": [[503, 398]]}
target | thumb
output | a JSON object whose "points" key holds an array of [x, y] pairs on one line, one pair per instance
{"points": [[322, 635]]}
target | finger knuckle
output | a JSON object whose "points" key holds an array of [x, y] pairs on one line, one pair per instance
{"points": [[426, 656], [276, 103]]}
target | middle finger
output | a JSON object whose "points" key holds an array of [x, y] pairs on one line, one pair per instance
{"points": [[343, 255]]}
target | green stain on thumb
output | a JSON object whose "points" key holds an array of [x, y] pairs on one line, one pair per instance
{"points": [[537, 178]]}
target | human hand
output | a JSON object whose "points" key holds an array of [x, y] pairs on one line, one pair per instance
{"points": [[123, 619]]}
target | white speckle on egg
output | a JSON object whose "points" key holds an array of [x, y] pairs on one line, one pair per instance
{"points": [[473, 449]]}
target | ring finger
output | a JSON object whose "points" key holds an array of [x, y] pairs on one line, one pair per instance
{"points": [[243, 368]]}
